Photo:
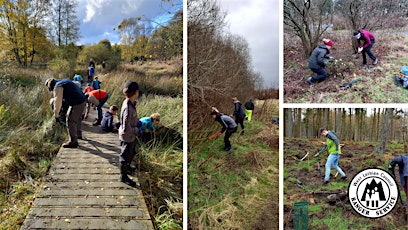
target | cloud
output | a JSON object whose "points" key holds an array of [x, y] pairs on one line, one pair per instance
{"points": [[93, 5], [258, 22], [99, 17]]}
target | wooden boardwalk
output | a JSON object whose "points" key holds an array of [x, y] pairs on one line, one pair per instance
{"points": [[82, 190]]}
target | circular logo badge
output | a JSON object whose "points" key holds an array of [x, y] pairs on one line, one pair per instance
{"points": [[373, 193]]}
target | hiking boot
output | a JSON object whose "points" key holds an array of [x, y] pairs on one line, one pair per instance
{"points": [[242, 132], [96, 123], [131, 170], [70, 145], [363, 64], [375, 61], [344, 177], [125, 179], [310, 81], [326, 182]]}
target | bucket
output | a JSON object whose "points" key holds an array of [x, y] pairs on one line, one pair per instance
{"points": [[301, 218]]}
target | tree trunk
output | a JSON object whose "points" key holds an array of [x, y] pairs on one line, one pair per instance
{"points": [[289, 123], [384, 132]]}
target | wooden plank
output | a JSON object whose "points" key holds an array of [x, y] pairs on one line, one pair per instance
{"points": [[90, 192], [76, 212], [87, 224], [88, 201]]}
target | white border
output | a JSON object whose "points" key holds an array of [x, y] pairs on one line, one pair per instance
{"points": [[281, 116], [185, 195]]}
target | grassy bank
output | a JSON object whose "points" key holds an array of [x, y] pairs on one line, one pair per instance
{"points": [[323, 214], [28, 142], [236, 191], [161, 164]]}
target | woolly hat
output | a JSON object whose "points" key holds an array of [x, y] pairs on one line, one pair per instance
{"points": [[328, 42], [356, 35]]}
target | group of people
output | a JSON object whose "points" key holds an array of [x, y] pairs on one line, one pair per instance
{"points": [[320, 55], [69, 103], [229, 125]]}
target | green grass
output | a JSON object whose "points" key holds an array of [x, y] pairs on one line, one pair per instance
{"points": [[28, 143], [221, 186]]}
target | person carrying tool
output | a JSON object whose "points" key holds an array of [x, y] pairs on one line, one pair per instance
{"points": [[317, 61], [402, 162], [228, 126], [367, 39], [66, 91], [249, 108], [98, 98], [333, 148]]}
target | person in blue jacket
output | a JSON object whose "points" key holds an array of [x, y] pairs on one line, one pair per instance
{"points": [[402, 162], [107, 123], [66, 91], [147, 128]]}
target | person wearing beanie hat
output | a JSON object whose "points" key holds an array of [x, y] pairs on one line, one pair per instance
{"points": [[365, 41], [65, 91], [317, 61], [128, 130], [249, 108]]}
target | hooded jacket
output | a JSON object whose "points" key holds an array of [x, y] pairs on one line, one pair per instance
{"points": [[316, 60], [402, 162], [226, 122]]}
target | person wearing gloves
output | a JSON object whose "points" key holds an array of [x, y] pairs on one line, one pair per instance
{"points": [[66, 91], [402, 162], [317, 61], [98, 98], [333, 148], [128, 130], [365, 41], [228, 126]]}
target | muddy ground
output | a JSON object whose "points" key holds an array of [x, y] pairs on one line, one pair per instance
{"points": [[355, 157], [345, 69]]}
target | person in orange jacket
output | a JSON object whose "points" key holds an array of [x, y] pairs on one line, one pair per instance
{"points": [[98, 98]]}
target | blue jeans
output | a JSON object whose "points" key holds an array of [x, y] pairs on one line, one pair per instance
{"points": [[321, 74], [99, 107], [368, 51], [333, 160]]}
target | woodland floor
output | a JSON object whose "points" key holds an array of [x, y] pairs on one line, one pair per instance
{"points": [[377, 84], [322, 215]]}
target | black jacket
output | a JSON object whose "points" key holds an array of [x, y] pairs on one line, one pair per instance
{"points": [[238, 111], [316, 60]]}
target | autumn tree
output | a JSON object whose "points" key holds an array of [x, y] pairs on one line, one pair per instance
{"points": [[22, 23]]}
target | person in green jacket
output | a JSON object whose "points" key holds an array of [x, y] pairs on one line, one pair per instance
{"points": [[333, 148]]}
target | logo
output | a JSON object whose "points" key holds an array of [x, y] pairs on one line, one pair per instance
{"points": [[373, 193]]}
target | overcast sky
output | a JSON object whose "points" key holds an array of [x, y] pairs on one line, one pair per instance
{"points": [[258, 22], [98, 18]]}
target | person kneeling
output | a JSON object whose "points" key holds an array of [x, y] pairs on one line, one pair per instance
{"points": [[107, 121]]}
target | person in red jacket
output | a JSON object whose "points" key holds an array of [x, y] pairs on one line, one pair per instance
{"points": [[98, 98], [365, 41]]}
